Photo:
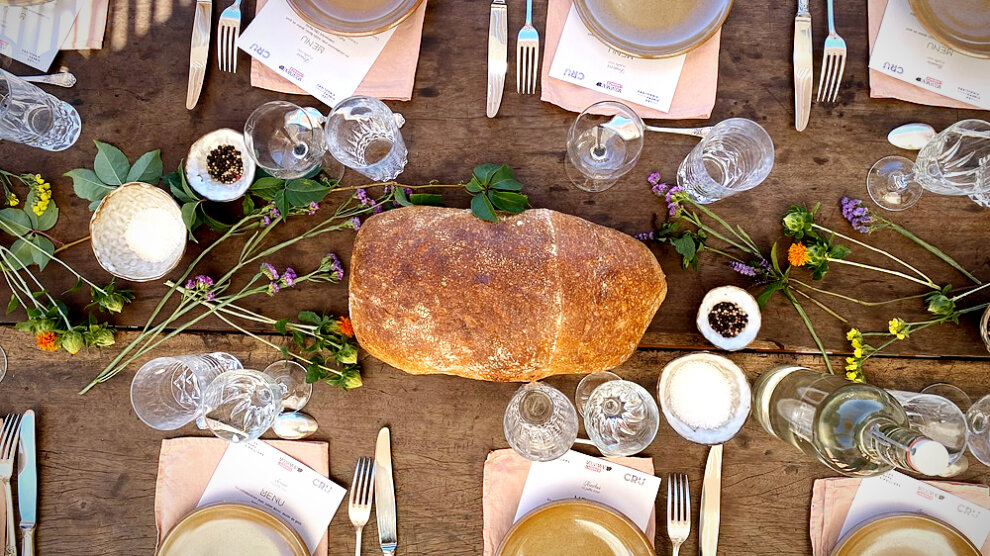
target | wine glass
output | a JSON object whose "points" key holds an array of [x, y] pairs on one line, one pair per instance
{"points": [[937, 418], [977, 418], [955, 162], [621, 418], [291, 376], [285, 140], [167, 392], [240, 405], [588, 385], [540, 423], [603, 144]]}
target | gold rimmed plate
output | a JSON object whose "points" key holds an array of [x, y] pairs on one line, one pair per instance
{"points": [[963, 25], [355, 18], [653, 28], [905, 535], [572, 527], [232, 530]]}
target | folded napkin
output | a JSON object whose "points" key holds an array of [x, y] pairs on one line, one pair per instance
{"points": [[885, 86], [505, 477], [832, 498], [390, 78], [186, 465], [89, 28], [694, 97]]}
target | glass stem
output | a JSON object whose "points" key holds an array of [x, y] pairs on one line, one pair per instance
{"points": [[900, 180]]}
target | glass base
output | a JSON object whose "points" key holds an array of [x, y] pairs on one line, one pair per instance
{"points": [[583, 182], [291, 377], [332, 168], [978, 418], [891, 185]]}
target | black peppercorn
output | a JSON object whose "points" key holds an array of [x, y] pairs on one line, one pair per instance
{"points": [[224, 164], [727, 319]]}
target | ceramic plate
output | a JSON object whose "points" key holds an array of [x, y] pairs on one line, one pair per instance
{"points": [[653, 28], [354, 17], [963, 25], [232, 530], [575, 527], [905, 535]]}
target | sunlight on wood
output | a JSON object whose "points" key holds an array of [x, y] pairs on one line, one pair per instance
{"points": [[134, 19]]}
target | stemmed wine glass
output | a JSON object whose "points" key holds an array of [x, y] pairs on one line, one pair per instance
{"points": [[291, 377], [588, 385], [955, 162], [603, 144], [977, 418], [621, 418], [286, 141], [540, 423], [939, 419]]}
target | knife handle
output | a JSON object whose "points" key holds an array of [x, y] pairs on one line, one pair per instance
{"points": [[711, 502], [27, 540]]}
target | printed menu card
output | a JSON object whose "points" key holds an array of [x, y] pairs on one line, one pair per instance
{"points": [[575, 475], [33, 34], [257, 474], [904, 50]]}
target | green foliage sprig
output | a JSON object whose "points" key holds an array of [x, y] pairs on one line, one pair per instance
{"points": [[111, 169]]}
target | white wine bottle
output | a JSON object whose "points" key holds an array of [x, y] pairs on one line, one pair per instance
{"points": [[855, 429]]}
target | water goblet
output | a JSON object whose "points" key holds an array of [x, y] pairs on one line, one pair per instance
{"points": [[978, 420], [603, 144], [955, 162], [363, 134], [588, 385], [285, 140], [35, 118], [937, 418], [621, 418], [239, 406], [291, 376], [540, 423], [734, 156], [167, 392]]}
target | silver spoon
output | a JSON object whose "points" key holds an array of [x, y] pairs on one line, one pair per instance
{"points": [[911, 137], [60, 79], [294, 425], [627, 129]]}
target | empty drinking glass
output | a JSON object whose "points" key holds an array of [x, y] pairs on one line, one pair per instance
{"points": [[291, 376], [621, 418], [977, 418], [363, 134], [285, 140], [954, 162], [735, 156], [588, 385], [603, 144], [540, 423], [241, 405], [937, 418], [35, 118], [167, 392]]}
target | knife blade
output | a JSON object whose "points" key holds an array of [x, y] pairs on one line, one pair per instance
{"points": [[498, 44], [802, 66], [385, 493], [199, 50], [27, 483], [711, 501]]}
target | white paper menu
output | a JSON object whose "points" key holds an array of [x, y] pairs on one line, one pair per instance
{"points": [[895, 492], [904, 50], [33, 34], [257, 474], [584, 60], [575, 475], [329, 67]]}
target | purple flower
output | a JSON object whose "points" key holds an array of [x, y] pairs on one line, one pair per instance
{"points": [[672, 205], [289, 277], [201, 284], [654, 178], [743, 268], [646, 236], [269, 271], [356, 223], [313, 207], [362, 196], [211, 296], [331, 265], [273, 288], [265, 221], [378, 209], [408, 190], [659, 189], [857, 214]]}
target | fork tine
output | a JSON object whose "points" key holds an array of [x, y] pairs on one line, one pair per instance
{"points": [[536, 67], [229, 47], [222, 48], [233, 46], [823, 76], [834, 79], [11, 435], [838, 76]]}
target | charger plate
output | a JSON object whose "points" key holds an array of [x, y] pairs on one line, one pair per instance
{"points": [[905, 535], [653, 28], [354, 18], [571, 527], [963, 25], [232, 530]]}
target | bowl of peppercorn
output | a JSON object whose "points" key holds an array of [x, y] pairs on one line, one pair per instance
{"points": [[217, 166], [729, 318]]}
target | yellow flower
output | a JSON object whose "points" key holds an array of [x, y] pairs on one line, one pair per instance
{"points": [[38, 178], [858, 353], [851, 376], [12, 200], [853, 334], [898, 328], [797, 254], [853, 361], [856, 343]]}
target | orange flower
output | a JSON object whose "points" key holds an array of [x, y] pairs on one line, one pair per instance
{"points": [[797, 255], [47, 341], [345, 327]]}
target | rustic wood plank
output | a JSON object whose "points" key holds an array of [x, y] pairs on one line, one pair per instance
{"points": [[99, 462]]}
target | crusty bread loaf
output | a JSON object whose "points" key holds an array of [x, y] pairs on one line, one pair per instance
{"points": [[437, 290]]}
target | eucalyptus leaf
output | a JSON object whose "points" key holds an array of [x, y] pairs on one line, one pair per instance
{"points": [[95, 205], [111, 165], [483, 209], [87, 185], [148, 168], [15, 221]]}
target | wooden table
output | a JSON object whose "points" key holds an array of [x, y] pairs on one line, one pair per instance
{"points": [[98, 462]]}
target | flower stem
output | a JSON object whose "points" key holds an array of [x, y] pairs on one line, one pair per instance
{"points": [[822, 306], [874, 249], [928, 284], [751, 248], [933, 250], [853, 299], [72, 244], [974, 290], [809, 326]]}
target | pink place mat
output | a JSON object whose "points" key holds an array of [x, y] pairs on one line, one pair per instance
{"points": [[694, 97], [832, 498], [390, 78], [505, 476], [885, 86], [186, 465], [89, 28]]}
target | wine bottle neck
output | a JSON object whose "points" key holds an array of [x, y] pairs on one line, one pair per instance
{"points": [[904, 448]]}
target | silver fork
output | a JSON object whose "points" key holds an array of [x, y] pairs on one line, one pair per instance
{"points": [[678, 510], [833, 61], [359, 503], [527, 54], [227, 33], [8, 447]]}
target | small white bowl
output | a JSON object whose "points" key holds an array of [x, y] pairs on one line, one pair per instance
{"points": [[198, 176], [739, 393], [746, 303]]}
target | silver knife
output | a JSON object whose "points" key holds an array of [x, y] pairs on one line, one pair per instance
{"points": [[711, 500], [498, 33], [27, 483], [199, 50], [802, 66], [385, 493]]}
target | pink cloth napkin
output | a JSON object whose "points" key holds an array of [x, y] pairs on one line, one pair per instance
{"points": [[505, 476], [391, 77], [885, 86], [186, 465], [694, 97], [832, 498], [89, 28]]}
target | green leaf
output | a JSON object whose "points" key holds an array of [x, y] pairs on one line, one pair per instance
{"points": [[484, 172], [483, 209], [838, 252], [768, 292], [282, 203], [95, 205], [685, 247], [13, 304], [509, 202], [87, 185], [178, 187], [400, 197], [428, 199], [773, 258], [25, 253], [211, 223], [190, 217], [266, 188], [15, 221], [111, 165], [298, 338], [300, 193], [47, 219], [473, 186], [505, 180], [310, 317], [247, 205], [43, 257], [147, 169], [280, 326]]}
